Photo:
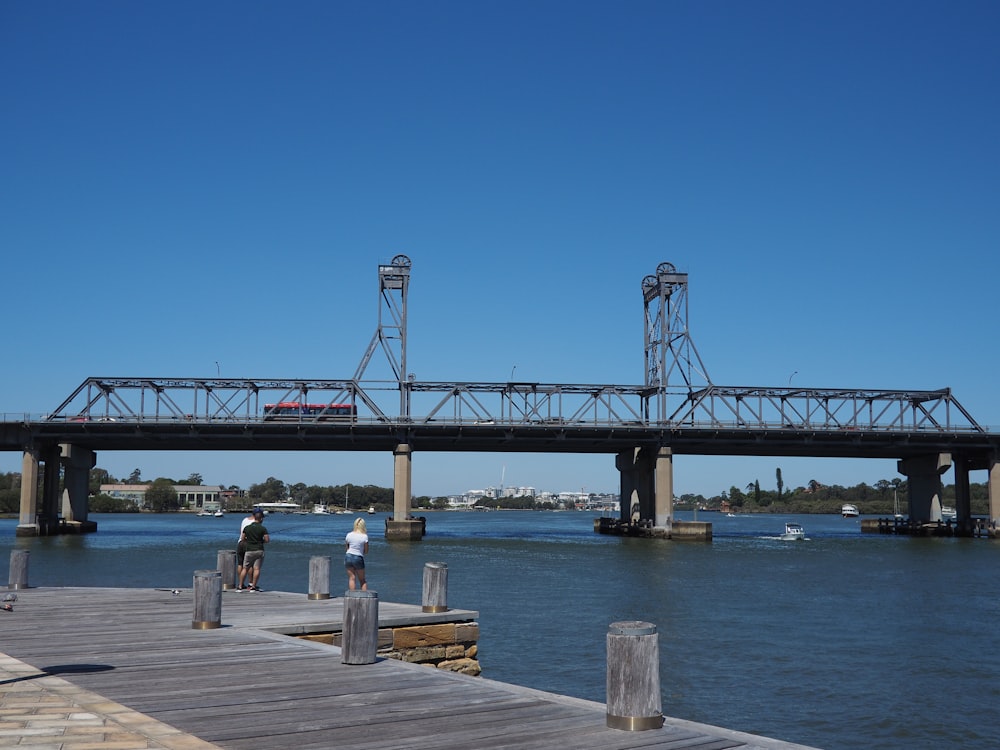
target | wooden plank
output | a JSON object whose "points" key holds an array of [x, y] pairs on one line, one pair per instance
{"points": [[246, 686]]}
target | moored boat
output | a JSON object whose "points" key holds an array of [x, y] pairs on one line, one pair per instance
{"points": [[847, 510]]}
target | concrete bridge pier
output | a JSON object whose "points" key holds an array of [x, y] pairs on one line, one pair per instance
{"points": [[993, 485], [39, 516], [647, 488], [923, 476], [963, 497], [77, 463], [636, 487], [402, 526], [27, 521], [55, 512]]}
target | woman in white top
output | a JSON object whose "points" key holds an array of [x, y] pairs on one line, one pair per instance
{"points": [[354, 560]]}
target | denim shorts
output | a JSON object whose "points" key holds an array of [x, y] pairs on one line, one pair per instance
{"points": [[354, 561]]}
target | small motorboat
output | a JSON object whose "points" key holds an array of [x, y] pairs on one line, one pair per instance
{"points": [[849, 511], [793, 532], [219, 514], [371, 510]]}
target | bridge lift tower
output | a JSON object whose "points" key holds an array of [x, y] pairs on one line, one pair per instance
{"points": [[671, 360], [390, 337]]}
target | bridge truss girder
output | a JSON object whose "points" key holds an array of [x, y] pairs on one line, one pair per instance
{"points": [[752, 408]]}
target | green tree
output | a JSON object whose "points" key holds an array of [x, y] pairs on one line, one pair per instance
{"points": [[98, 477], [135, 477], [271, 490], [102, 503], [781, 483], [194, 478], [161, 496]]}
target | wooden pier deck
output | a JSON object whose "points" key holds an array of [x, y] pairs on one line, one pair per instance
{"points": [[249, 686]]}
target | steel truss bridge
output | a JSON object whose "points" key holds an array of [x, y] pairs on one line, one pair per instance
{"points": [[676, 410], [229, 414]]}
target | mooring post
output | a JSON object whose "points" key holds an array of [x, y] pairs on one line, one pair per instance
{"points": [[207, 600], [18, 578], [360, 641], [227, 566], [319, 577], [633, 676], [435, 594]]}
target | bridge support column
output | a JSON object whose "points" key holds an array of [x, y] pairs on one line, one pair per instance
{"points": [[48, 517], [963, 497], [923, 476], [636, 486], [27, 522], [402, 526], [993, 487], [77, 463], [664, 488]]}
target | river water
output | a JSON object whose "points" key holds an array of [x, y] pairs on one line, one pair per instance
{"points": [[840, 641]]}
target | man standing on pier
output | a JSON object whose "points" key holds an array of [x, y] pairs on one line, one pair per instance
{"points": [[241, 549], [255, 535]]}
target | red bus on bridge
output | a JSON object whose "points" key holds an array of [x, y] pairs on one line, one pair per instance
{"points": [[293, 410]]}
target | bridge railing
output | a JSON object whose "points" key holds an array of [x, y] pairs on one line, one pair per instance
{"points": [[158, 400]]}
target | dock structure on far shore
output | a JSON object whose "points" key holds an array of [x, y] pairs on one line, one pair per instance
{"points": [[88, 666]]}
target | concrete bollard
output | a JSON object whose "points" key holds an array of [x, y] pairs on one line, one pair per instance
{"points": [[207, 600], [360, 641], [227, 566], [435, 595], [319, 577], [633, 676], [18, 578]]}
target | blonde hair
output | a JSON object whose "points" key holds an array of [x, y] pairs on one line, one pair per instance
{"points": [[360, 525]]}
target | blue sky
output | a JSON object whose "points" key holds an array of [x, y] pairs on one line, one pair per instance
{"points": [[189, 183]]}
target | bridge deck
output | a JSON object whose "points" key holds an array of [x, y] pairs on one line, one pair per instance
{"points": [[245, 686]]}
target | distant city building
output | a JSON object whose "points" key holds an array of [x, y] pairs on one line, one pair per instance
{"points": [[191, 496]]}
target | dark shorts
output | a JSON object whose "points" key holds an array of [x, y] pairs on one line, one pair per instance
{"points": [[241, 552], [354, 561]]}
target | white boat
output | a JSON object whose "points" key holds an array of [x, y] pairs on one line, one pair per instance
{"points": [[793, 532], [320, 509], [849, 511], [219, 514], [947, 512], [346, 511], [204, 514], [371, 510]]}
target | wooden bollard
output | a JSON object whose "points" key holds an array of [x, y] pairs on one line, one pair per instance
{"points": [[319, 577], [207, 600], [227, 566], [360, 641], [18, 578], [634, 701], [435, 598]]}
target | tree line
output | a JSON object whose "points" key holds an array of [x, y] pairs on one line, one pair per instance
{"points": [[879, 498], [876, 499]]}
